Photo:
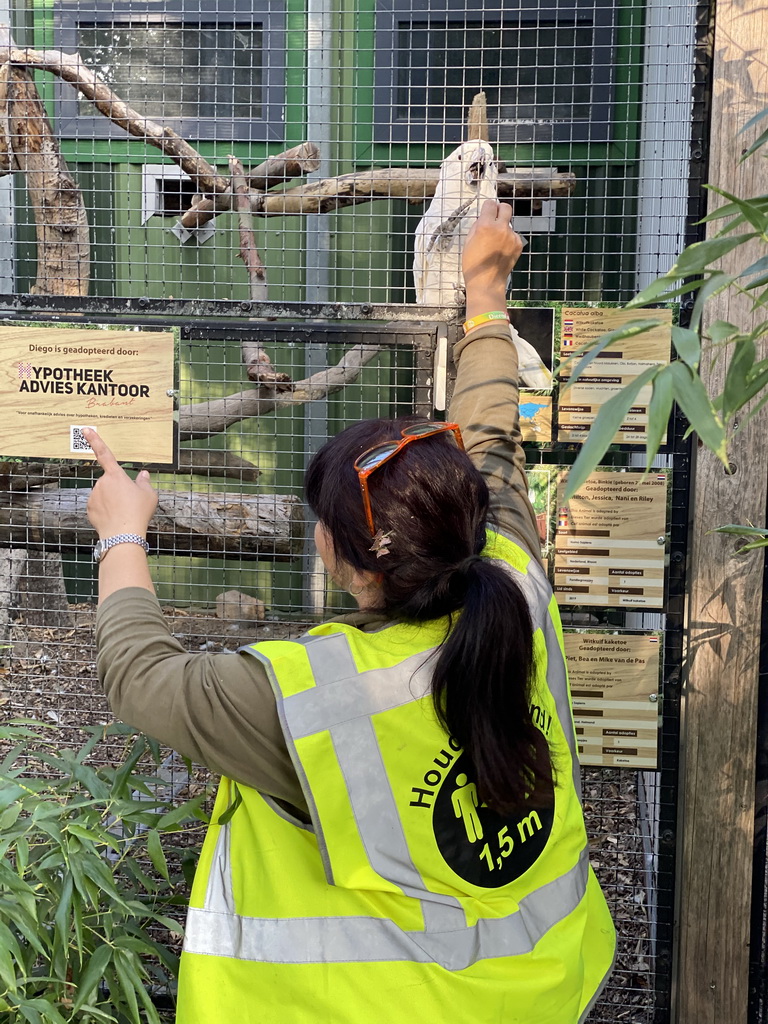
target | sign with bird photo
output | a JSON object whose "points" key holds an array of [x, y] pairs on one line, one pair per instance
{"points": [[55, 380], [622, 361]]}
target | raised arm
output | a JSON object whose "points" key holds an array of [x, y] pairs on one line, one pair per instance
{"points": [[485, 399]]}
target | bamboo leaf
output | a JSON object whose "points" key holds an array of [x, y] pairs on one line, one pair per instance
{"points": [[190, 808], [9, 817], [61, 928], [662, 290], [757, 283], [226, 816], [156, 854], [721, 330], [754, 120], [603, 430], [126, 978], [717, 282], [757, 144], [692, 397], [753, 411], [735, 385], [9, 794], [687, 345], [749, 210], [10, 955], [758, 267], [45, 1008], [92, 975], [747, 531], [659, 411], [697, 257]]}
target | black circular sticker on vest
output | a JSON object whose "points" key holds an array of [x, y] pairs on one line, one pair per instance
{"points": [[481, 846]]}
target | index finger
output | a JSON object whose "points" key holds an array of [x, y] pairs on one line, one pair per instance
{"points": [[104, 456]]}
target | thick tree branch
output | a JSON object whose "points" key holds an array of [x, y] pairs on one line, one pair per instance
{"points": [[205, 418], [28, 476], [415, 184], [262, 525], [249, 254], [70, 68], [27, 144]]}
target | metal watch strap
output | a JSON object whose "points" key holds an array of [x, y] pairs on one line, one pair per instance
{"points": [[103, 546]]}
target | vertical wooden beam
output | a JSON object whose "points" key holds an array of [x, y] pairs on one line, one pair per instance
{"points": [[720, 697]]}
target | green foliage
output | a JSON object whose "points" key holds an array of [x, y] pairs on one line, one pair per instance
{"points": [[716, 421], [79, 899]]}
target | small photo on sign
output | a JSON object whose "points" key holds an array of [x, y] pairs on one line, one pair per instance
{"points": [[535, 417], [537, 325], [54, 379]]}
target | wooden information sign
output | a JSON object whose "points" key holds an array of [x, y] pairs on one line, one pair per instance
{"points": [[614, 692], [611, 370], [610, 541], [54, 380]]}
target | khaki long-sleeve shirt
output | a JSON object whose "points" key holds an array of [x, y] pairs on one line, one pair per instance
{"points": [[218, 709]]}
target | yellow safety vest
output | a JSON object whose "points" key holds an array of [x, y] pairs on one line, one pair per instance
{"points": [[405, 899]]}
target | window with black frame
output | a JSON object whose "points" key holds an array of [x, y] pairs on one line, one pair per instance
{"points": [[210, 70], [547, 72]]}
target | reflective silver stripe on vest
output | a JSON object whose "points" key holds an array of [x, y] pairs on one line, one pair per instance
{"points": [[378, 821], [215, 931], [341, 694]]}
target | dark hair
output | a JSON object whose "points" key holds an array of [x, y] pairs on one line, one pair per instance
{"points": [[434, 502]]}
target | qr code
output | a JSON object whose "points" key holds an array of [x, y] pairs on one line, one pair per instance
{"points": [[77, 443]]}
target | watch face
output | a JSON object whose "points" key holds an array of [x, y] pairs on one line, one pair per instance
{"points": [[98, 551]]}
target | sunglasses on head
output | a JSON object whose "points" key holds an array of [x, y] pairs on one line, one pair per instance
{"points": [[376, 456]]}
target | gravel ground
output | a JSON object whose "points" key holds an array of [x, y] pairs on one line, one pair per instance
{"points": [[49, 674]]}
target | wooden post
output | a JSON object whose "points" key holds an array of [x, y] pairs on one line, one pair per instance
{"points": [[720, 696]]}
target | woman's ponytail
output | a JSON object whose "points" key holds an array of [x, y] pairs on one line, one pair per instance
{"points": [[482, 687], [432, 504]]}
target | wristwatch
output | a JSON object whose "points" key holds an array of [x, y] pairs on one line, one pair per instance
{"points": [[103, 546]]}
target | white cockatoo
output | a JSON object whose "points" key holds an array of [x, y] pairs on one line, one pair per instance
{"points": [[468, 176]]}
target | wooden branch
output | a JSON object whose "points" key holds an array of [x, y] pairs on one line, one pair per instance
{"points": [[7, 160], [249, 254], [415, 184], [205, 462], [26, 476], [292, 163], [70, 68], [205, 418], [275, 170], [61, 223], [266, 526]]}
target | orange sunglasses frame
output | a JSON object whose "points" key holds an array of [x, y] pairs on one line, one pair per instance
{"points": [[363, 474]]}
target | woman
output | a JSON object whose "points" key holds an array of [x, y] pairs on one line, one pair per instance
{"points": [[398, 834]]}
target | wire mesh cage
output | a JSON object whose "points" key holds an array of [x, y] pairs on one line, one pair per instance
{"points": [[252, 175]]}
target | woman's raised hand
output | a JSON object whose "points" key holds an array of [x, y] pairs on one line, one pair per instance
{"points": [[117, 503], [490, 252]]}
